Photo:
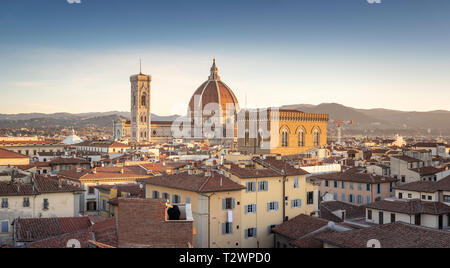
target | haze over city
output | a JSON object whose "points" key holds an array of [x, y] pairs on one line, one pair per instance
{"points": [[79, 57]]}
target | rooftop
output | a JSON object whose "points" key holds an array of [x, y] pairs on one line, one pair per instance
{"points": [[355, 177], [411, 207], [195, 183], [393, 235]]}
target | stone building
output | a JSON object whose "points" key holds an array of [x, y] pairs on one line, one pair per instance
{"points": [[280, 131]]}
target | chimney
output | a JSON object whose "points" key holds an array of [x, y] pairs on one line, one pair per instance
{"points": [[94, 170], [121, 171]]}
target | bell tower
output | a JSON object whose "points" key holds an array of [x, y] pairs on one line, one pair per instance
{"points": [[140, 107]]}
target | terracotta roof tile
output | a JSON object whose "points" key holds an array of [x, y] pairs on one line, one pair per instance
{"points": [[195, 183], [393, 235]]}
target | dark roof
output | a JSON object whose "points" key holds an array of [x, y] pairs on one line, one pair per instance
{"points": [[40, 184], [393, 235], [299, 226], [411, 207], [420, 186], [428, 144], [354, 177], [425, 171], [249, 172], [407, 158], [444, 184], [351, 211], [68, 160], [283, 167], [33, 229], [311, 241], [196, 183]]}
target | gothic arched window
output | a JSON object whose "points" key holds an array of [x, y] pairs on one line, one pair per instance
{"points": [[301, 138], [316, 138], [284, 138], [144, 100]]}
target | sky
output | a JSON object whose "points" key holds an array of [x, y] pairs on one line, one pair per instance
{"points": [[57, 56]]}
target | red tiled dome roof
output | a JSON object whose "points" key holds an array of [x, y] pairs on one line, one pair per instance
{"points": [[214, 91]]}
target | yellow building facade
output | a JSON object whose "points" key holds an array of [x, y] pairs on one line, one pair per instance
{"points": [[265, 200], [289, 132]]}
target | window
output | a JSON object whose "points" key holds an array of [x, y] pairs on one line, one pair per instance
{"points": [[227, 228], [350, 198], [369, 214], [327, 184], [335, 184], [296, 185], [316, 138], [5, 227], [403, 178], [368, 187], [335, 196], [270, 228], [360, 199], [144, 100], [188, 200], [310, 198], [368, 200], [165, 196], [91, 190], [46, 204], [409, 195], [381, 217], [296, 203], [272, 206], [176, 199], [301, 138], [400, 195], [251, 187], [5, 203], [392, 217], [155, 195], [91, 206], [447, 198], [343, 197], [351, 185], [359, 187], [250, 232], [378, 188], [26, 202], [284, 138], [430, 198], [391, 187], [424, 197], [417, 219], [250, 209], [228, 203], [103, 204], [343, 184], [263, 186]]}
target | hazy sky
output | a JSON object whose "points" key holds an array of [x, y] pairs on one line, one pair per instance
{"points": [[61, 57]]}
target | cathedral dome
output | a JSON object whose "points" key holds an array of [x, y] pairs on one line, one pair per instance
{"points": [[213, 91], [72, 139]]}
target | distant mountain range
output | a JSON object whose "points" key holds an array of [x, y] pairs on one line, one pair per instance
{"points": [[383, 121], [101, 119], [366, 121]]}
